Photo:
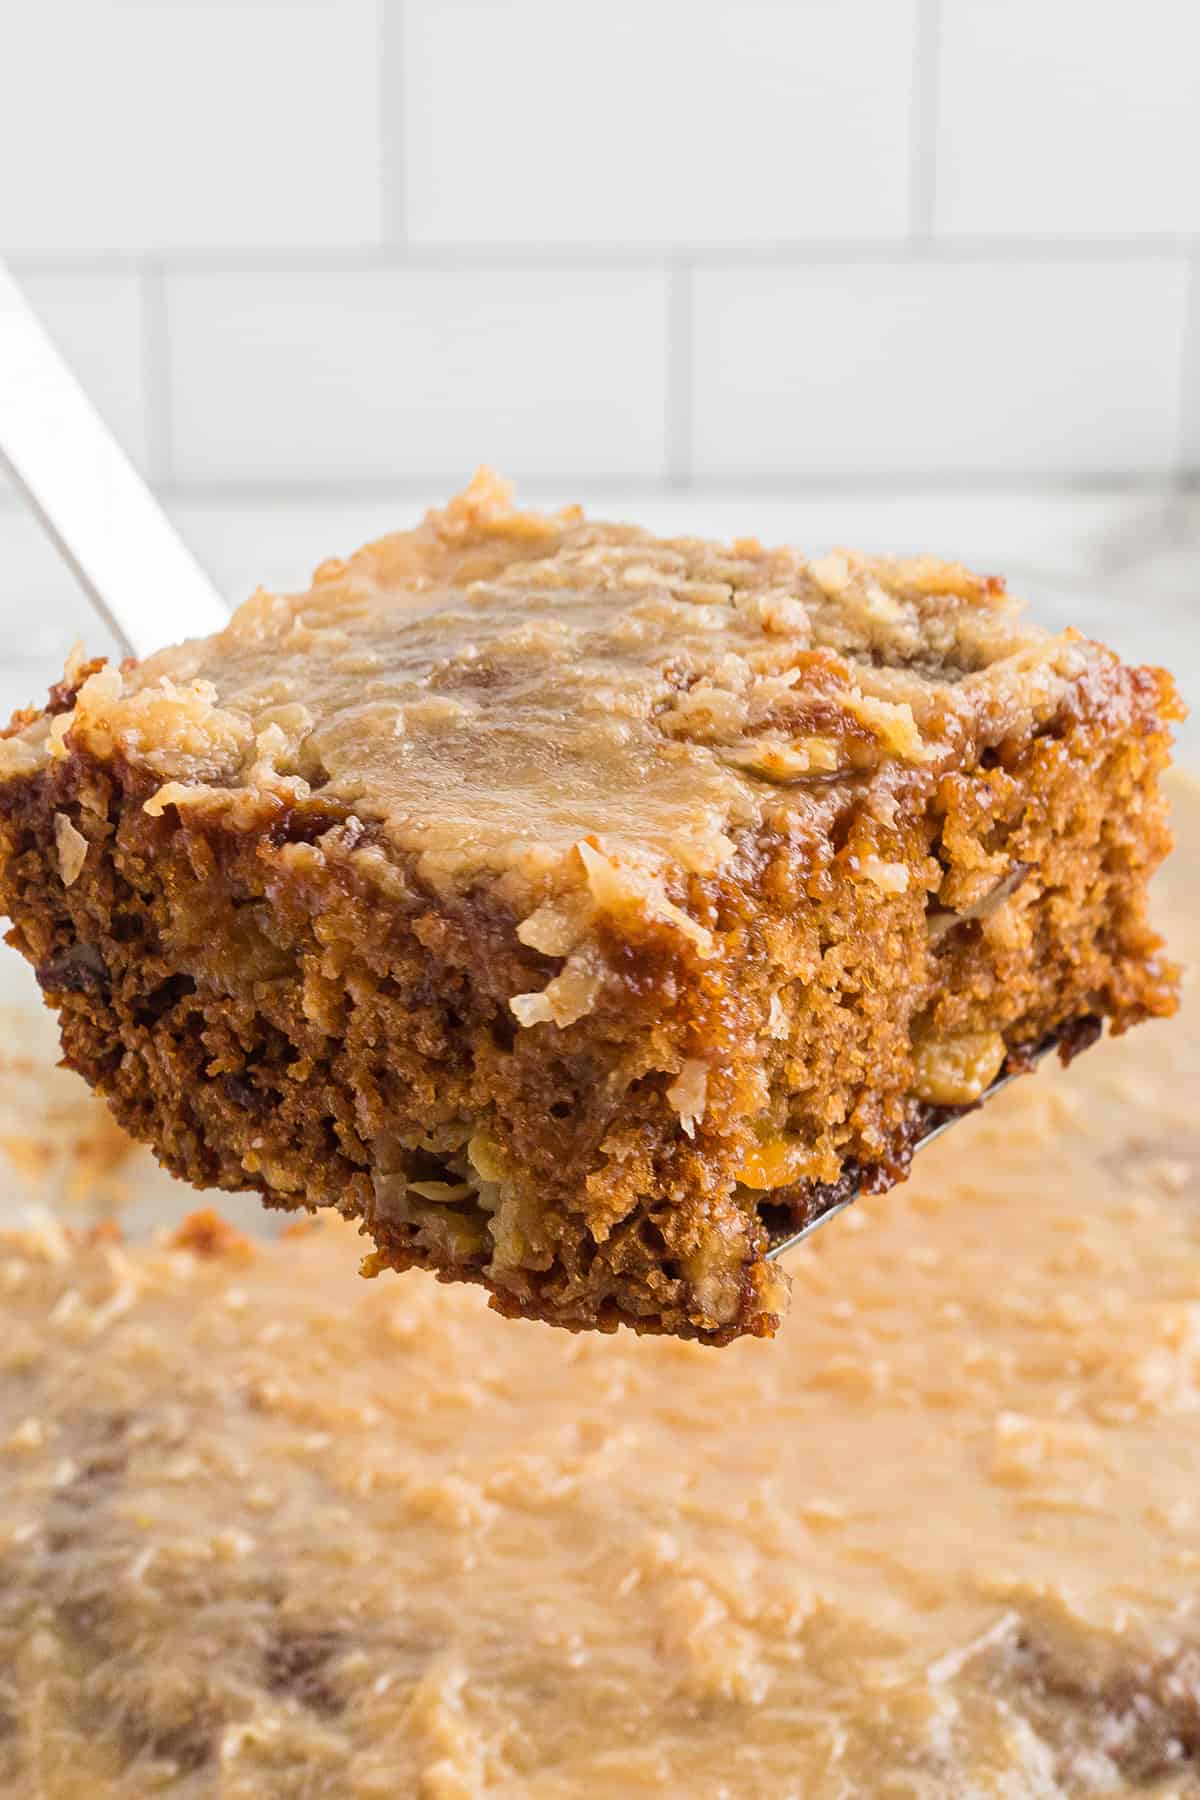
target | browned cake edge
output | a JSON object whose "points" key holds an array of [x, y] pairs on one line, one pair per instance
{"points": [[255, 1006]]}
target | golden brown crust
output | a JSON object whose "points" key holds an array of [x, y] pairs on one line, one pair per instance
{"points": [[593, 1070]]}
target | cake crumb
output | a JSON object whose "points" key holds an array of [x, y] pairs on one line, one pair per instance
{"points": [[205, 1233]]}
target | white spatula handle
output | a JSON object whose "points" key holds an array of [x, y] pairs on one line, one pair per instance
{"points": [[136, 571]]}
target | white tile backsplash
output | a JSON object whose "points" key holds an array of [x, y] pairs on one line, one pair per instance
{"points": [[872, 368], [366, 241], [380, 374], [97, 323], [166, 124], [1073, 118], [653, 122]]}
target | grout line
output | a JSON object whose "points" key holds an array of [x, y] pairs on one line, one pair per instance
{"points": [[1045, 484], [393, 161], [295, 259], [926, 98], [680, 370], [1189, 378], [155, 372]]}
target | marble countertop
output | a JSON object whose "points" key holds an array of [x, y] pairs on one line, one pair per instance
{"points": [[1122, 565]]}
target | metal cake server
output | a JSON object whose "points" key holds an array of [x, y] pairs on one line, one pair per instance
{"points": [[137, 572], [941, 1119]]}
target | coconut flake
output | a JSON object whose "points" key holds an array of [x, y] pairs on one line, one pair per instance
{"points": [[173, 793], [784, 760], [568, 997], [551, 929], [72, 849], [688, 1093], [614, 885], [891, 877], [831, 573], [446, 1192], [892, 722]]}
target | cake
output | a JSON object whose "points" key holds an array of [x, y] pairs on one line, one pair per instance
{"points": [[268, 1531], [582, 911]]}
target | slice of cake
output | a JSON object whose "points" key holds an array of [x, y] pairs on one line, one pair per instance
{"points": [[579, 908]]}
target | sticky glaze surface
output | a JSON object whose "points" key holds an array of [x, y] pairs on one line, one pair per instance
{"points": [[265, 1530], [496, 686]]}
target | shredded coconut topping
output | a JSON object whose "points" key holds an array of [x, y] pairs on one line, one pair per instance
{"points": [[494, 687]]}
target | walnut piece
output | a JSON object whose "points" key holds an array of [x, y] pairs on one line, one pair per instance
{"points": [[955, 1071]]}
